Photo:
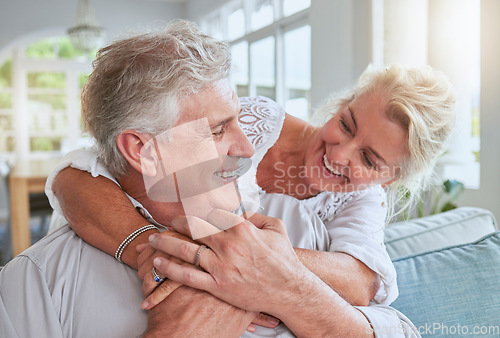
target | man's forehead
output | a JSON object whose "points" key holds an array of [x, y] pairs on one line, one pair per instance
{"points": [[216, 102], [214, 115]]}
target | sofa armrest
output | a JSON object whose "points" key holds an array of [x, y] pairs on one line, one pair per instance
{"points": [[459, 226], [453, 291]]}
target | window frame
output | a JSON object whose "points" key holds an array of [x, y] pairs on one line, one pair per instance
{"points": [[278, 28], [21, 67]]}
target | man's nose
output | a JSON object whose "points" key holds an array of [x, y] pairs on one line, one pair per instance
{"points": [[241, 146]]}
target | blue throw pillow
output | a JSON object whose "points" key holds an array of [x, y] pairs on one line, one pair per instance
{"points": [[453, 291]]}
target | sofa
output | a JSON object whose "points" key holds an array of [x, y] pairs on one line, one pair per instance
{"points": [[448, 268]]}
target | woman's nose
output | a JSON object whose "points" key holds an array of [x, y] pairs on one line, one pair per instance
{"points": [[341, 154]]}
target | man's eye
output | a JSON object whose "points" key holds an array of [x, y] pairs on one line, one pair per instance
{"points": [[217, 133]]}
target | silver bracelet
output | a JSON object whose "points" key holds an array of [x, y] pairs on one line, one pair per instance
{"points": [[130, 238]]}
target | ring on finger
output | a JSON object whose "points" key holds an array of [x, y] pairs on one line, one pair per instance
{"points": [[198, 254], [156, 276]]}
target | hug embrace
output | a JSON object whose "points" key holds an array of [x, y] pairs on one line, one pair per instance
{"points": [[201, 213]]}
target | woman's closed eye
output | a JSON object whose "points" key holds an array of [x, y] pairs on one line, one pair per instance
{"points": [[368, 161], [345, 126]]}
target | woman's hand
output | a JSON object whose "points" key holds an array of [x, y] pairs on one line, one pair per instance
{"points": [[248, 265], [155, 292], [255, 268]]}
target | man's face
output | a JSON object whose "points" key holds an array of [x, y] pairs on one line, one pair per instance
{"points": [[203, 155]]}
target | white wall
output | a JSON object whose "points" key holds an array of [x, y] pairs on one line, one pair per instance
{"points": [[488, 196], [340, 45]]}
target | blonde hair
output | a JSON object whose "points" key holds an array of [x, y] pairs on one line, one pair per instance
{"points": [[139, 82], [422, 100]]}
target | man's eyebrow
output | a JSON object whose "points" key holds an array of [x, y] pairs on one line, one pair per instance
{"points": [[222, 122], [369, 148]]}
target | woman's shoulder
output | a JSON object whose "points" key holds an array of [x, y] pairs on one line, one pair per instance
{"points": [[260, 111], [261, 119], [328, 204]]}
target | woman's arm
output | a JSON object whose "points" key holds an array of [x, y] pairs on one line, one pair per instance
{"points": [[346, 275], [253, 266], [102, 215], [99, 212]]}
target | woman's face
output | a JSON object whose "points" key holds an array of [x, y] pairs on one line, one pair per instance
{"points": [[357, 148]]}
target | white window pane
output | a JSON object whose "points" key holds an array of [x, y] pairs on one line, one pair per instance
{"points": [[263, 14], [239, 68], [263, 67], [213, 27], [298, 71], [293, 6], [236, 24]]}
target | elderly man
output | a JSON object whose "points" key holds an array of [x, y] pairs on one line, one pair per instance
{"points": [[153, 103]]}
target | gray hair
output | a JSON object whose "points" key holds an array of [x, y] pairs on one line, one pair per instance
{"points": [[422, 100], [138, 83]]}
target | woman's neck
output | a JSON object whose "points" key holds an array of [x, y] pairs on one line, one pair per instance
{"points": [[282, 168]]}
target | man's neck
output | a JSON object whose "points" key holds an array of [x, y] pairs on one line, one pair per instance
{"points": [[163, 212]]}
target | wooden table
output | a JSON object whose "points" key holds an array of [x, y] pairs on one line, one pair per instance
{"points": [[28, 176]]}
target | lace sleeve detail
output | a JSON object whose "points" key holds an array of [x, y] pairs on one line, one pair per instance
{"points": [[261, 120]]}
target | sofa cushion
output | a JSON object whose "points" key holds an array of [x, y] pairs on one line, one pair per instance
{"points": [[454, 290], [458, 226]]}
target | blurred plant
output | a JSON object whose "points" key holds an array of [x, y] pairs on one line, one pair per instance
{"points": [[438, 199], [445, 197]]}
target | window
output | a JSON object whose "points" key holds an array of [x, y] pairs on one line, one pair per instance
{"points": [[262, 14], [445, 35], [6, 109], [43, 117], [239, 68], [293, 6], [262, 33], [236, 24], [46, 110], [262, 67], [297, 72]]}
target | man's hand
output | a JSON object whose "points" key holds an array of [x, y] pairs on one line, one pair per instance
{"points": [[155, 292], [247, 265], [197, 314], [256, 268]]}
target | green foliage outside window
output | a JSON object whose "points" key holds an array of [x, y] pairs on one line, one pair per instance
{"points": [[5, 101], [52, 48], [6, 74], [45, 143], [46, 80], [47, 101], [82, 79]]}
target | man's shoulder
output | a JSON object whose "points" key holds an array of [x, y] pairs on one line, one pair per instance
{"points": [[61, 247], [67, 280]]}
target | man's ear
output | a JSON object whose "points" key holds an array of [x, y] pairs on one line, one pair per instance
{"points": [[139, 150]]}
